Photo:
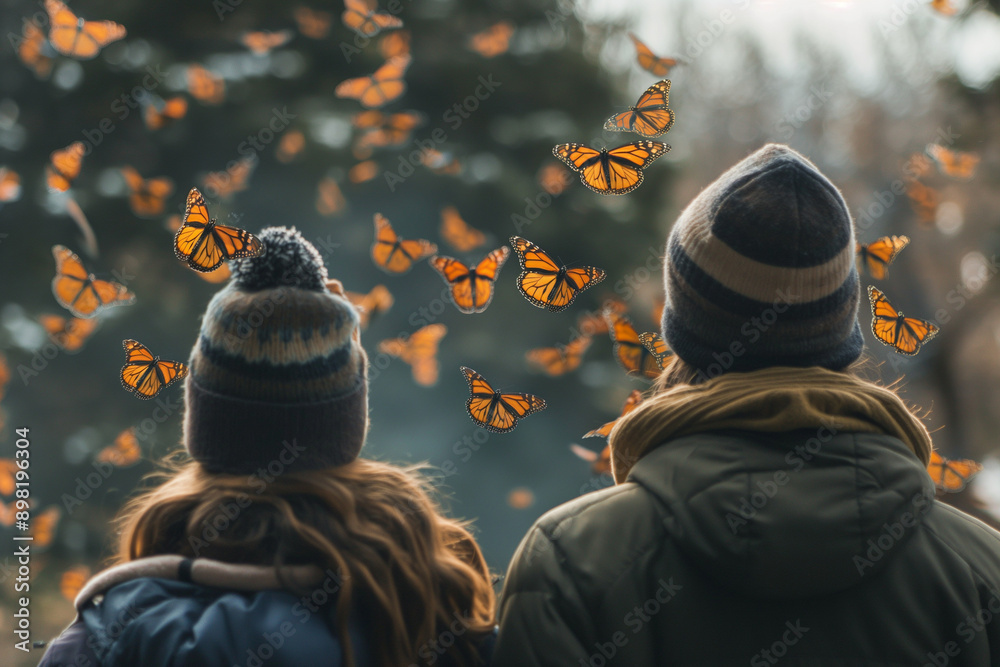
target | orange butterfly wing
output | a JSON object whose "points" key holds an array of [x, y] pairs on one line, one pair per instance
{"points": [[329, 198], [629, 349], [69, 335], [204, 86], [393, 254], [31, 51], [457, 233], [879, 254], [905, 334], [10, 185], [382, 87], [562, 359], [124, 452], [378, 300], [291, 144], [43, 526], [148, 198], [80, 292], [312, 23], [74, 37], [649, 61], [544, 283], [158, 115], [64, 166], [395, 44], [954, 163], [951, 476], [658, 350], [8, 468], [495, 411], [419, 350], [611, 172], [924, 200], [471, 289], [261, 42], [144, 375], [631, 403], [650, 117], [362, 18], [493, 41], [204, 244], [72, 581]]}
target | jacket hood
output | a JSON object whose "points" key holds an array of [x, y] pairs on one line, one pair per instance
{"points": [[788, 515]]}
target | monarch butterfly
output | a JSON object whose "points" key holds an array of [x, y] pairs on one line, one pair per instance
{"points": [[917, 165], [905, 334], [144, 375], [649, 61], [33, 51], [384, 131], [313, 23], [74, 37], [419, 350], [291, 144], [562, 359], [657, 347], [205, 86], [954, 163], [878, 255], [457, 233], [650, 117], [43, 526], [225, 183], [554, 178], [361, 17], [594, 323], [393, 254], [123, 452], [471, 289], [944, 7], [64, 166], [441, 163], [363, 172], [261, 42], [72, 581], [148, 197], [79, 292], [158, 113], [395, 44], [924, 200], [631, 403], [8, 468], [378, 300], [329, 198], [611, 172], [493, 41], [546, 284], [10, 185], [382, 87], [204, 244], [494, 410], [949, 475], [68, 334], [635, 356]]}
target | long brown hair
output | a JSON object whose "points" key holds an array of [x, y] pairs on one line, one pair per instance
{"points": [[412, 572]]}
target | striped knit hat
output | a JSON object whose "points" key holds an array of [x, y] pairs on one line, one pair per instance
{"points": [[760, 270], [278, 375]]}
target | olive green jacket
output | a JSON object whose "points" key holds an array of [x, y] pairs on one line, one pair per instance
{"points": [[739, 548]]}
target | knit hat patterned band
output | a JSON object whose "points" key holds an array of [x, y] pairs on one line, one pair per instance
{"points": [[278, 372], [760, 270]]}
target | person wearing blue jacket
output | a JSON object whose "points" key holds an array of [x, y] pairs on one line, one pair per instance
{"points": [[273, 543]]}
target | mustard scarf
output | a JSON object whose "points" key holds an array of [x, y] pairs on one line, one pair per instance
{"points": [[768, 400]]}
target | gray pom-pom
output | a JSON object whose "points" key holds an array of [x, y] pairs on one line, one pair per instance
{"points": [[288, 260]]}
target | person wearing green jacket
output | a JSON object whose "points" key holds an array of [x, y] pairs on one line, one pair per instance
{"points": [[771, 506]]}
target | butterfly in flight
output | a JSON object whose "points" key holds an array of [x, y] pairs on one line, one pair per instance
{"points": [[649, 61], [74, 37], [68, 334], [546, 284], [144, 375], [561, 359], [419, 350], [148, 197], [877, 255], [291, 144], [79, 292], [158, 113], [64, 166], [631, 403], [312, 23], [262, 42], [554, 178], [395, 44], [383, 131], [593, 323], [72, 581], [924, 200], [471, 288], [363, 172], [617, 171], [494, 410], [205, 86], [33, 51], [378, 300], [233, 179], [10, 185], [123, 452], [43, 526], [457, 233], [650, 117], [601, 463], [362, 17], [396, 255], [638, 354], [949, 475], [377, 90], [905, 334], [205, 244], [493, 41], [954, 163], [329, 199]]}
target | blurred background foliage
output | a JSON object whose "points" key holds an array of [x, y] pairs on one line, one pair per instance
{"points": [[857, 87]]}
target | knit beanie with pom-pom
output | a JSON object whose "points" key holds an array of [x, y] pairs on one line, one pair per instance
{"points": [[278, 377]]}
